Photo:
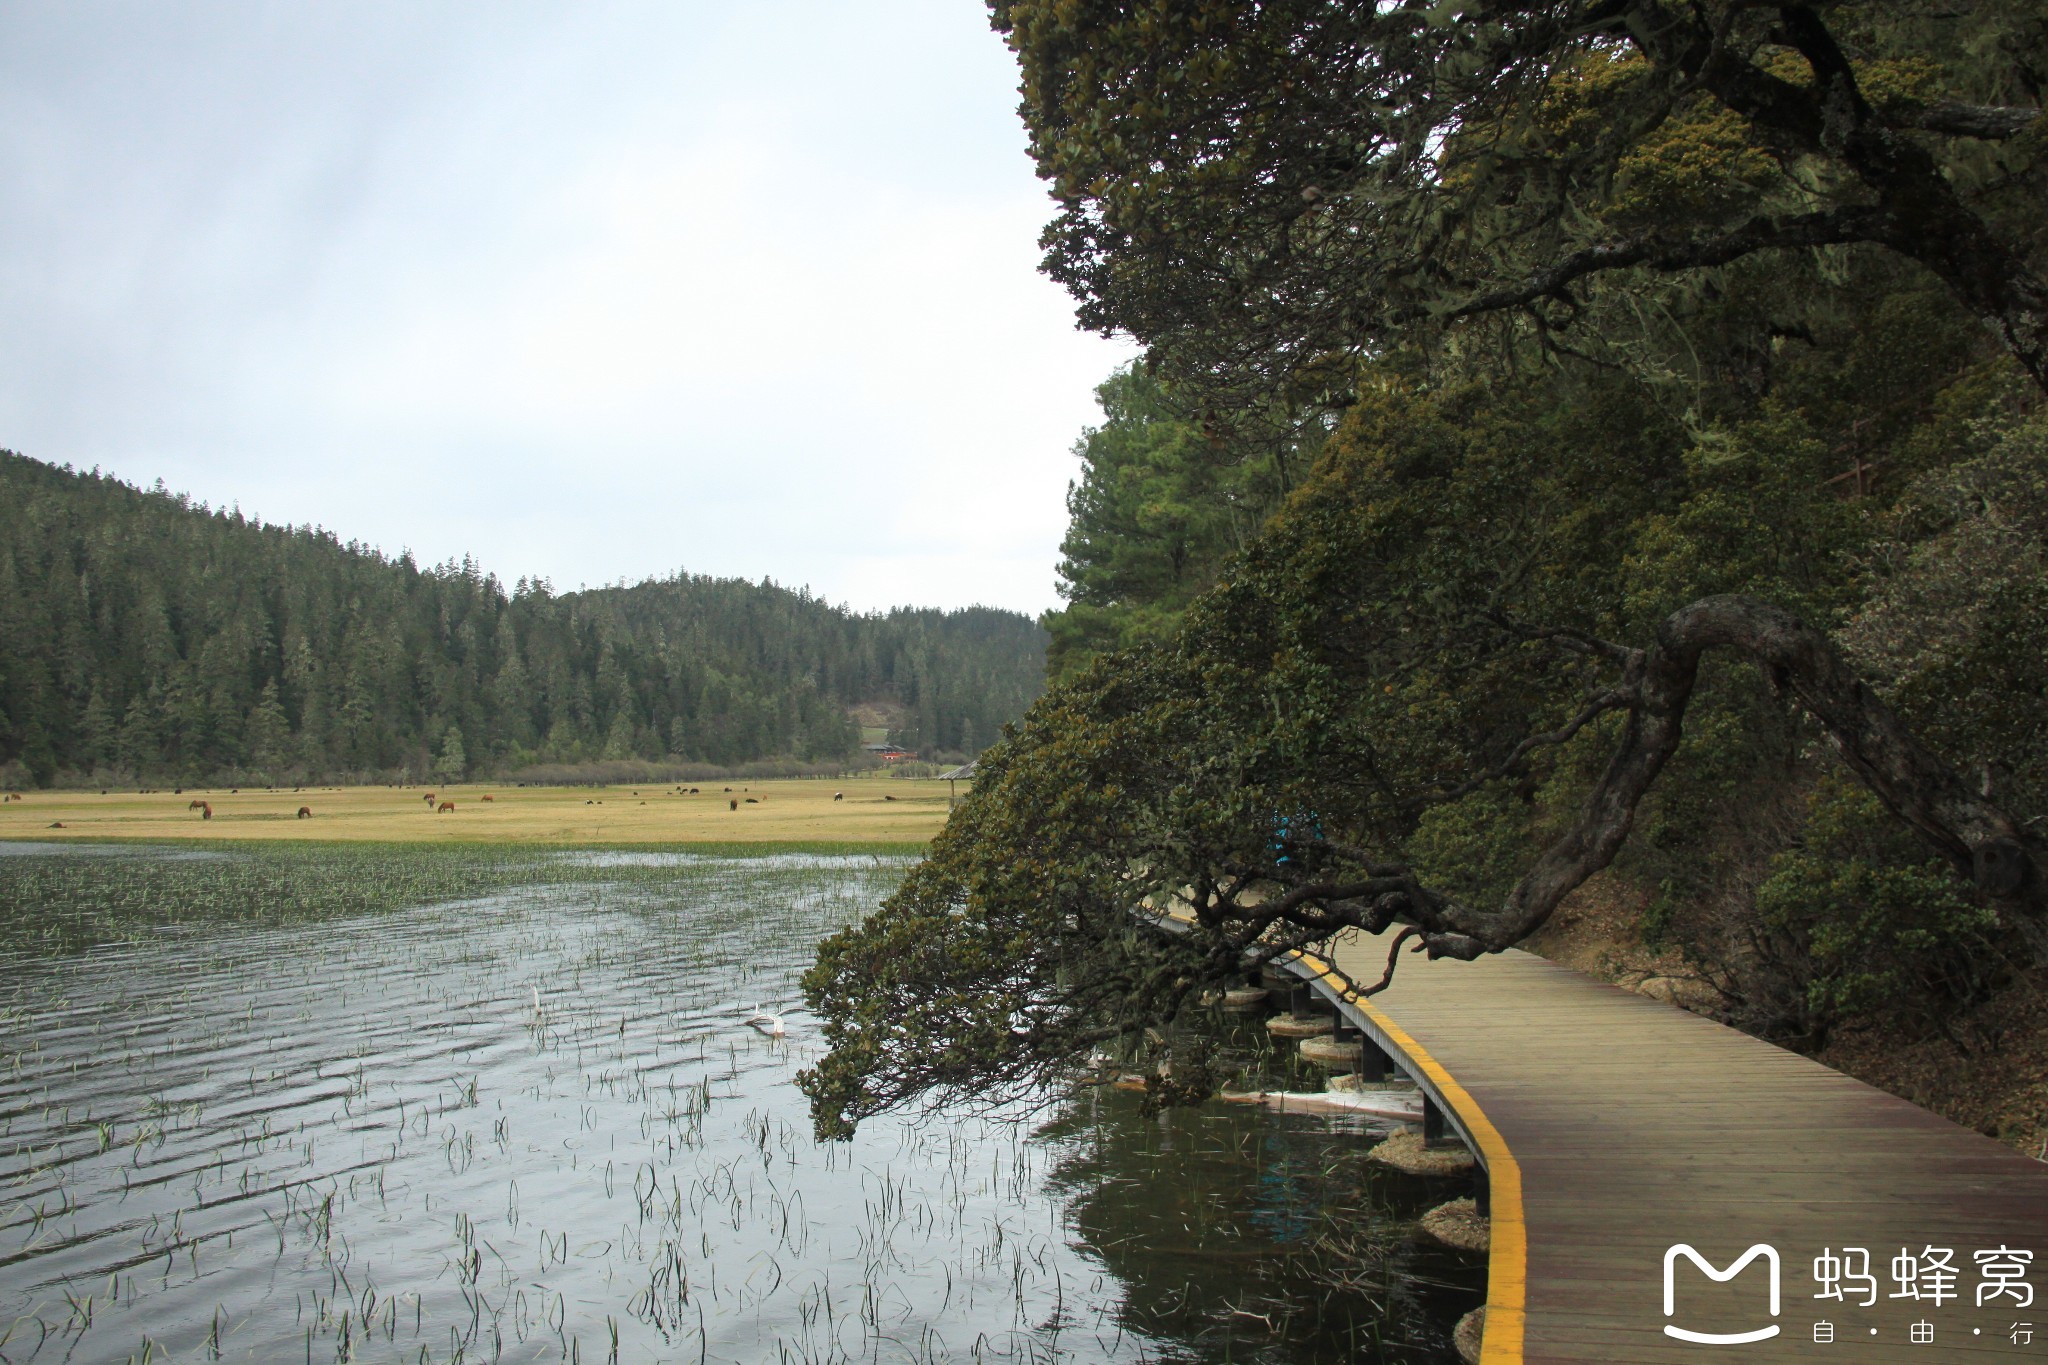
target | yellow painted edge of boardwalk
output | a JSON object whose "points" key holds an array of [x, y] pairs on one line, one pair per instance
{"points": [[1507, 1265]]}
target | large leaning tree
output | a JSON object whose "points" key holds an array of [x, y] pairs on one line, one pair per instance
{"points": [[1437, 696]]}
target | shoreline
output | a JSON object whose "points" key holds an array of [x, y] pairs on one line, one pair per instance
{"points": [[900, 814]]}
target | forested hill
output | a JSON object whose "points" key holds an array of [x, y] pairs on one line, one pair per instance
{"points": [[145, 636]]}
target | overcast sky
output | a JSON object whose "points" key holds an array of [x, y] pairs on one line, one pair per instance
{"points": [[589, 290]]}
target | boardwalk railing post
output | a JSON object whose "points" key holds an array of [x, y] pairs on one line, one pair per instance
{"points": [[1432, 1121], [1482, 1195], [1373, 1063]]}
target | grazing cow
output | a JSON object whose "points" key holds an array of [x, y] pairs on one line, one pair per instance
{"points": [[446, 806], [728, 788], [58, 825], [752, 801], [734, 803], [205, 811], [888, 798], [838, 796], [693, 791], [305, 812]]}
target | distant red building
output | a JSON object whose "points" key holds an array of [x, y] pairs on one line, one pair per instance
{"points": [[890, 753]]}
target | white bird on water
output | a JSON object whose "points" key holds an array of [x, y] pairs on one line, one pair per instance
{"points": [[770, 1024]]}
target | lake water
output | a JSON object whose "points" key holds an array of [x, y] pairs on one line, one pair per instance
{"points": [[322, 1105]]}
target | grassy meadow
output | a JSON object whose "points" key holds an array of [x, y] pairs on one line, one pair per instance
{"points": [[872, 810]]}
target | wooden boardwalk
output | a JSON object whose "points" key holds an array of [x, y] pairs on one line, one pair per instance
{"points": [[1614, 1128]]}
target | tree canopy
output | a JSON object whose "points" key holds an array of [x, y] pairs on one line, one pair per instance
{"points": [[1250, 188], [1162, 500], [1700, 577]]}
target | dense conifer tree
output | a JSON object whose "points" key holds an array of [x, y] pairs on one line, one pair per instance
{"points": [[150, 638]]}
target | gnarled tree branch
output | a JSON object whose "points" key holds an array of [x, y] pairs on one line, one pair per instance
{"points": [[1991, 122], [1984, 844]]}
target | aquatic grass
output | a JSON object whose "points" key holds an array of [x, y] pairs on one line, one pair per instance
{"points": [[435, 1104]]}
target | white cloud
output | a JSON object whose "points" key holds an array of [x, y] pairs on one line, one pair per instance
{"points": [[748, 291]]}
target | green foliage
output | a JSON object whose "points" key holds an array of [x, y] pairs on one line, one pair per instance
{"points": [[152, 638], [1476, 847], [980, 975], [1882, 927], [1161, 501], [451, 764], [1957, 606], [1250, 190]]}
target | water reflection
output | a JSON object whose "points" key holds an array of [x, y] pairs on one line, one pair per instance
{"points": [[530, 1124]]}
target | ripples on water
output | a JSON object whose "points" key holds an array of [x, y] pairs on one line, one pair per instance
{"points": [[291, 1128]]}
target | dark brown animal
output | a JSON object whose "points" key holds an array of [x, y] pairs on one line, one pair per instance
{"points": [[305, 812], [446, 806], [888, 798], [733, 803], [428, 798], [838, 796], [58, 825], [752, 801]]}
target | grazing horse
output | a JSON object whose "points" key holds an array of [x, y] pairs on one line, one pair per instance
{"points": [[445, 807], [428, 798], [305, 812], [483, 798], [205, 811], [194, 805]]}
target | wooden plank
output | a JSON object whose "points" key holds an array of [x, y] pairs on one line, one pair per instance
{"points": [[1615, 1128]]}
